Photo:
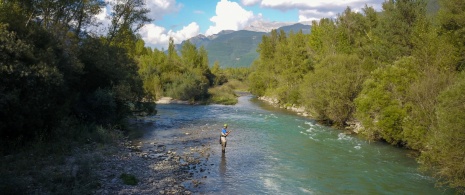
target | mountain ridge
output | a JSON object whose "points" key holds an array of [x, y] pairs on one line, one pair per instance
{"points": [[237, 48]]}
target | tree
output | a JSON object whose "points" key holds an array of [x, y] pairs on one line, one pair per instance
{"points": [[395, 29], [451, 14], [381, 106], [445, 150], [127, 17], [339, 77], [32, 84]]}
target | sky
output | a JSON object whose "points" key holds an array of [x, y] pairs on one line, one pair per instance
{"points": [[183, 19]]}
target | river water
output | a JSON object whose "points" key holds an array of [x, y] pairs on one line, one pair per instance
{"points": [[273, 151]]}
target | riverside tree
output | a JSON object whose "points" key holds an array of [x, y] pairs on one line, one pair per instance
{"points": [[51, 69], [398, 72]]}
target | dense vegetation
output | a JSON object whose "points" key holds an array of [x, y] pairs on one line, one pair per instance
{"points": [[53, 70], [399, 72], [185, 77], [65, 88]]}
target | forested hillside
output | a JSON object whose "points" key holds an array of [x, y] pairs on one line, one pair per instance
{"points": [[236, 48], [399, 72]]}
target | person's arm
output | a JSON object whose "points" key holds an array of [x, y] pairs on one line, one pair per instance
{"points": [[227, 133]]}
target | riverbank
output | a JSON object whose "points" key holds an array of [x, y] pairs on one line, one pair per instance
{"points": [[165, 165], [352, 126]]}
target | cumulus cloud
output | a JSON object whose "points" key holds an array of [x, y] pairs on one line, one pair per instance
{"points": [[313, 14], [102, 22], [315, 9], [159, 8], [158, 37], [250, 2], [152, 34], [230, 16]]}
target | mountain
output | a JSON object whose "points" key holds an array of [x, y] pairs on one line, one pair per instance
{"points": [[238, 48]]}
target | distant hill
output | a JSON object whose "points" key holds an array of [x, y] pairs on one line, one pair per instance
{"points": [[236, 48]]}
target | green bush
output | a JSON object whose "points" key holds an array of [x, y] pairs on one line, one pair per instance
{"points": [[329, 91], [223, 94], [381, 106], [445, 150]]}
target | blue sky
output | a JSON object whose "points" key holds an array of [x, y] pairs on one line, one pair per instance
{"points": [[193, 11], [183, 19]]}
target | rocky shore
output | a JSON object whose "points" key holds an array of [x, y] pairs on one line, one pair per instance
{"points": [[173, 164], [300, 110], [170, 100], [352, 126]]}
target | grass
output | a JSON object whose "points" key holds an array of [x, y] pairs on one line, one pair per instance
{"points": [[129, 179], [61, 165]]}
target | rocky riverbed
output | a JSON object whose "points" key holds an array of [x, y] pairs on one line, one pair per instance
{"points": [[170, 164]]}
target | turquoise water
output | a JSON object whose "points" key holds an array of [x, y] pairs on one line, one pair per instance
{"points": [[272, 151]]}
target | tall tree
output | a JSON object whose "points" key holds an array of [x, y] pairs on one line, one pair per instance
{"points": [[451, 14], [127, 17], [395, 30]]}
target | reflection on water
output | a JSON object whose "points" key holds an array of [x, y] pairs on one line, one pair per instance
{"points": [[223, 165]]}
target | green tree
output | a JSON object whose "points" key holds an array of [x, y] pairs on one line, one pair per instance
{"points": [[450, 16], [381, 106], [394, 32], [436, 67], [445, 150], [127, 17], [220, 77], [329, 92]]}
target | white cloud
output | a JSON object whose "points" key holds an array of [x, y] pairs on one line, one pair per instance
{"points": [[315, 9], [250, 2], [306, 4], [159, 8], [229, 16], [152, 34], [103, 22], [157, 36], [310, 15]]}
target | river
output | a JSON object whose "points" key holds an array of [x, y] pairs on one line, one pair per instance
{"points": [[273, 151]]}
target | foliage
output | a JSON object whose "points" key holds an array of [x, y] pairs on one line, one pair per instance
{"points": [[185, 77], [393, 71], [450, 16], [129, 179], [445, 150], [282, 64], [32, 83], [223, 94], [381, 104], [51, 69], [339, 77]]}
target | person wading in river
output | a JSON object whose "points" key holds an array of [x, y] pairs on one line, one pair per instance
{"points": [[224, 134]]}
